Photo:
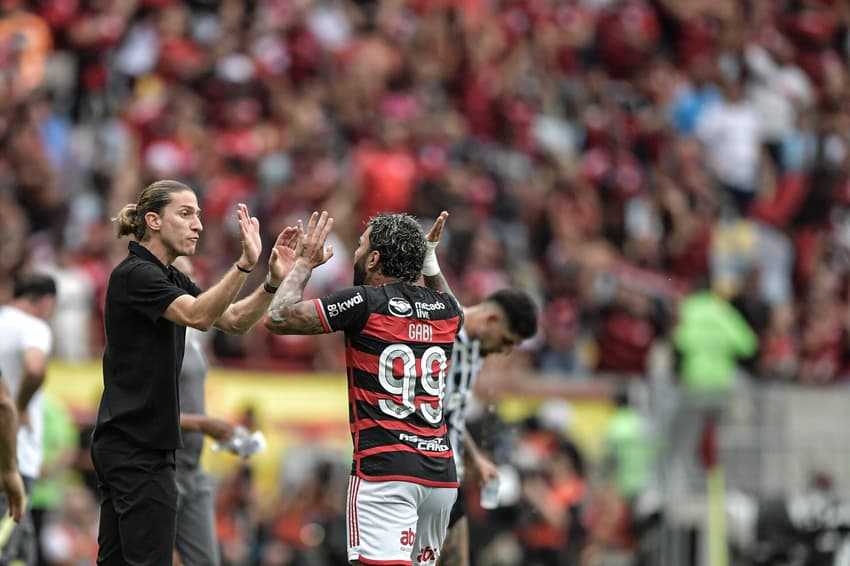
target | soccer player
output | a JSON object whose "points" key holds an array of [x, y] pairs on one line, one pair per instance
{"points": [[149, 304], [496, 325], [25, 344], [399, 339]]}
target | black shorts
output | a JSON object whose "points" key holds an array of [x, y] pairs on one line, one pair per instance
{"points": [[138, 503], [458, 509]]}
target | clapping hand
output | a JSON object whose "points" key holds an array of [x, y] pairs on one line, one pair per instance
{"points": [[433, 235], [249, 230], [311, 243], [283, 255]]}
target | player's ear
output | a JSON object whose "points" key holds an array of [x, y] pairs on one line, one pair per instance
{"points": [[372, 260], [493, 314], [153, 220], [493, 320]]}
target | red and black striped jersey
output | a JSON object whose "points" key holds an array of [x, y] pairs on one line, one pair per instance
{"points": [[398, 341]]}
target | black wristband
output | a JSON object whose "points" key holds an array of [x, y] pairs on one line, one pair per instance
{"points": [[242, 269], [268, 287]]}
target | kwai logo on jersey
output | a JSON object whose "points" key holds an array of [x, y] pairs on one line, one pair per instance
{"points": [[399, 306], [335, 309]]}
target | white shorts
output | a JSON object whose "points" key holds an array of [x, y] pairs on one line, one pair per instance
{"points": [[397, 523]]}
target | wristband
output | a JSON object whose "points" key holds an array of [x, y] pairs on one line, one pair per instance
{"points": [[268, 287], [242, 269], [430, 266]]}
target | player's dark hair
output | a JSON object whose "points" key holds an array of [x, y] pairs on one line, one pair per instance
{"points": [[519, 309], [401, 242], [156, 196], [33, 286]]}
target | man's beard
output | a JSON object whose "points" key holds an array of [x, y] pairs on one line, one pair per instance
{"points": [[359, 273]]}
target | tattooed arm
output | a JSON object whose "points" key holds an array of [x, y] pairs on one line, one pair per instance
{"points": [[437, 282], [242, 315], [288, 313]]}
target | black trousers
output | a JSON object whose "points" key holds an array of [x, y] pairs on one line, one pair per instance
{"points": [[138, 506], [458, 509]]}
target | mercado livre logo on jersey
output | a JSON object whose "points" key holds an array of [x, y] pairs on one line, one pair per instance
{"points": [[335, 309], [399, 306]]}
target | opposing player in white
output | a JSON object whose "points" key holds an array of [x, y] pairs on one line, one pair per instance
{"points": [[496, 325]]}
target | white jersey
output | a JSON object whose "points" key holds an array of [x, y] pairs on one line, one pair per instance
{"points": [[466, 363], [20, 331]]}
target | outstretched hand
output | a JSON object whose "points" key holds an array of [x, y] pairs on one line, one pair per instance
{"points": [[249, 230], [283, 255], [436, 230], [311, 243]]}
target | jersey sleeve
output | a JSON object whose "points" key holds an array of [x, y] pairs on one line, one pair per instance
{"points": [[185, 283], [150, 292], [347, 309]]}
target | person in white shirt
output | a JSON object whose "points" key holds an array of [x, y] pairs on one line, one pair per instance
{"points": [[779, 90], [25, 344], [731, 131]]}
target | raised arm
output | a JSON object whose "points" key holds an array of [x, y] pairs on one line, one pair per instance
{"points": [[242, 315], [431, 274], [288, 314], [203, 311]]}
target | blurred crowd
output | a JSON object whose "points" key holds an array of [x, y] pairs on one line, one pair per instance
{"points": [[614, 157], [609, 155], [552, 509]]}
